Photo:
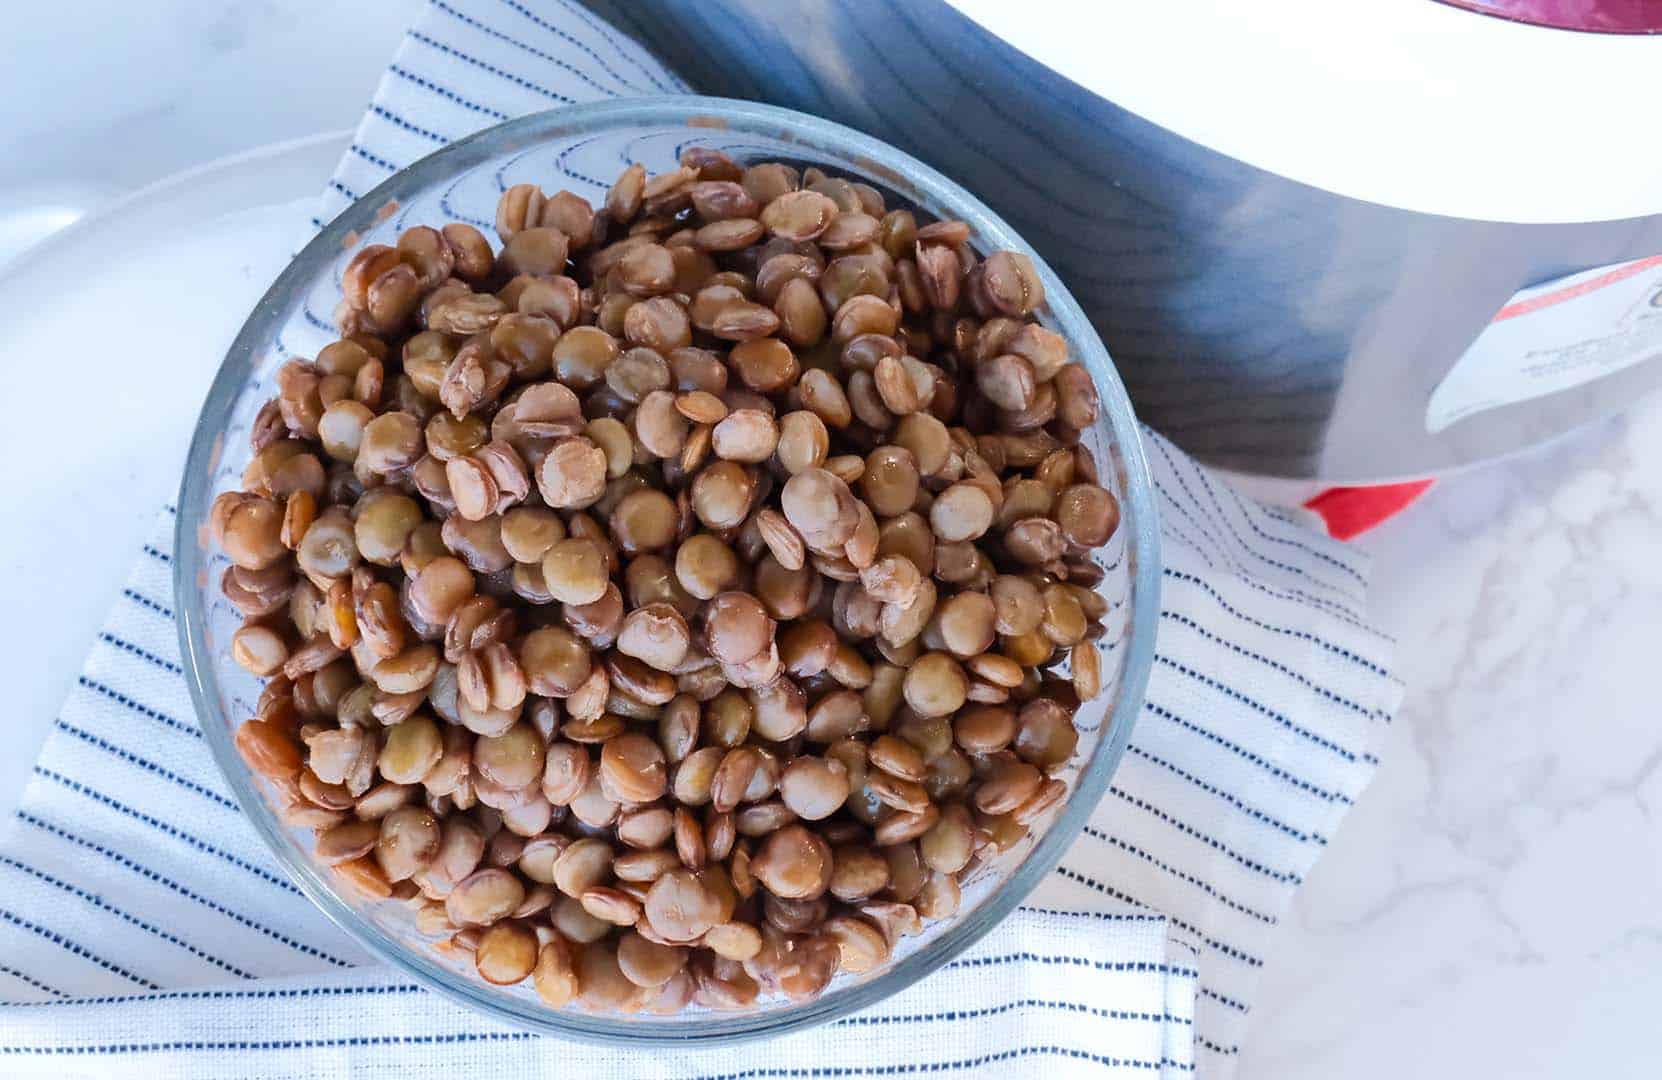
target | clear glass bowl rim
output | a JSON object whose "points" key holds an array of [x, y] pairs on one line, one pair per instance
{"points": [[901, 172]]}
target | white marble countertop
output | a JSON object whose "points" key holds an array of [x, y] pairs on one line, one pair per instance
{"points": [[1493, 905], [100, 97], [1490, 908]]}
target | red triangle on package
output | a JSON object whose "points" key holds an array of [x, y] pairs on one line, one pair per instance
{"points": [[1351, 511]]}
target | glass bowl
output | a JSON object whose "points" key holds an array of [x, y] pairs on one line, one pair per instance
{"points": [[582, 148]]}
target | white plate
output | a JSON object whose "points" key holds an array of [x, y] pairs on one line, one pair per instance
{"points": [[113, 330]]}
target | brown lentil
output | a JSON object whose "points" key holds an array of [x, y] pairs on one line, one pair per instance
{"points": [[699, 546]]}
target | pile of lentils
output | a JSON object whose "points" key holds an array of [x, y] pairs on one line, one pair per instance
{"points": [[672, 606]]}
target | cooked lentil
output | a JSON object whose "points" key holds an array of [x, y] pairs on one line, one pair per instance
{"points": [[673, 604]]}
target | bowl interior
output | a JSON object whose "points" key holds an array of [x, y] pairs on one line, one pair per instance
{"points": [[582, 149]]}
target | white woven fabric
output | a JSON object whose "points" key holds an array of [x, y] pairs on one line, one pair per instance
{"points": [[144, 929]]}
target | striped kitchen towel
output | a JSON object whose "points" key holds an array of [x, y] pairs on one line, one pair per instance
{"points": [[145, 930]]}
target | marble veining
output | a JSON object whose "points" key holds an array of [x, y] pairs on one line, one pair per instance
{"points": [[1493, 906]]}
